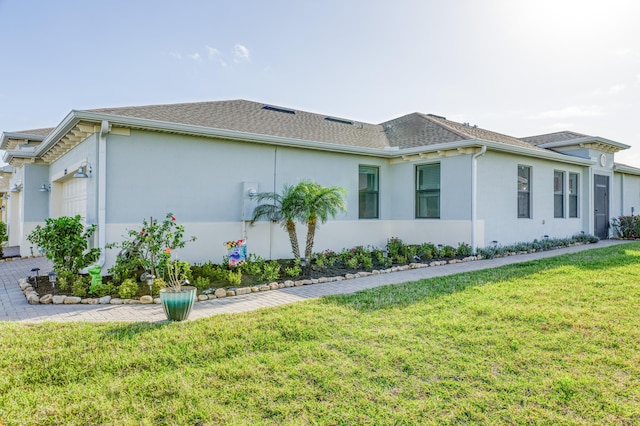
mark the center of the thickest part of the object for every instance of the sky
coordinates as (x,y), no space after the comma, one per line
(516,67)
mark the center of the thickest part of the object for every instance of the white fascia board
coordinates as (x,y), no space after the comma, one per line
(4,139)
(502,147)
(587,139)
(61,129)
(623,168)
(10,155)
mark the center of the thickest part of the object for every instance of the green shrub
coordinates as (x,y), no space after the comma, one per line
(66,279)
(128,288)
(627,226)
(201,283)
(448,252)
(293,271)
(158,284)
(65,242)
(253,265)
(3,237)
(270,271)
(104,289)
(427,251)
(464,250)
(234,277)
(80,285)
(352,263)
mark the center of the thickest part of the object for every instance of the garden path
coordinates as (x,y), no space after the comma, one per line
(14,307)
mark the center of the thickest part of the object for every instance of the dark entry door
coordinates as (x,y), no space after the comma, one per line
(601,206)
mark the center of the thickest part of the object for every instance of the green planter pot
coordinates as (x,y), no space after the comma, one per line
(177,304)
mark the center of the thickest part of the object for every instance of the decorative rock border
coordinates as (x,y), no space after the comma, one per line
(35,299)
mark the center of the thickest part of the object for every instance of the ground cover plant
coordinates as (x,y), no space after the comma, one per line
(554,341)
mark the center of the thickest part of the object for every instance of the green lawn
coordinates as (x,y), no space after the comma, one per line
(547,342)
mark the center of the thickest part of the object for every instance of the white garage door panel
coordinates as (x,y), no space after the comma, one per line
(74,196)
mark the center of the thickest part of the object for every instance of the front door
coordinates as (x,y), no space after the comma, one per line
(601,206)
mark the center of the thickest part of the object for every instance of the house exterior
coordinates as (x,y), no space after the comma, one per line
(419,177)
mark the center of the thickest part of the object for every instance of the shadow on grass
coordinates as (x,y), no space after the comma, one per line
(400,295)
(128,331)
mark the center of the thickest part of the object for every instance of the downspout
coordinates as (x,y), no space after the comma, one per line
(102,190)
(474,196)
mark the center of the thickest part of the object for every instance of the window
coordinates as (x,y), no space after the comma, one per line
(524,192)
(558,194)
(573,195)
(368,187)
(428,191)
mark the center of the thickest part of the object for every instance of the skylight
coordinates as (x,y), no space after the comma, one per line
(339,120)
(278,109)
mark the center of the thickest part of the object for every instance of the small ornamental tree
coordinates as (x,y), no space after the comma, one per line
(149,248)
(65,242)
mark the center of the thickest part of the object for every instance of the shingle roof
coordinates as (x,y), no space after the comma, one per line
(553,137)
(415,130)
(409,131)
(37,132)
(252,117)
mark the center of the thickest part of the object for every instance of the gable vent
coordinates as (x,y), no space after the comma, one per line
(339,120)
(278,109)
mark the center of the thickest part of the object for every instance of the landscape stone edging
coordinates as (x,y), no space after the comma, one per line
(34,299)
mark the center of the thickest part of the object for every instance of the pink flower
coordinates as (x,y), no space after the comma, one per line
(167,250)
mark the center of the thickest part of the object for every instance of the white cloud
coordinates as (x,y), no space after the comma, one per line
(195,56)
(175,55)
(241,53)
(212,52)
(571,112)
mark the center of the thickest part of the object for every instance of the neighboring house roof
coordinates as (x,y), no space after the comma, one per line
(11,140)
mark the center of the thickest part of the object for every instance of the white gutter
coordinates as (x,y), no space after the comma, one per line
(584,140)
(102,190)
(474,197)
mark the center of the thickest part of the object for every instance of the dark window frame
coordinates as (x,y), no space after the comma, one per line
(574,207)
(524,192)
(558,194)
(430,192)
(367,193)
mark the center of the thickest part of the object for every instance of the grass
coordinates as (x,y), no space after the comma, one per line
(555,341)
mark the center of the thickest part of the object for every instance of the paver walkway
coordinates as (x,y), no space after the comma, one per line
(14,307)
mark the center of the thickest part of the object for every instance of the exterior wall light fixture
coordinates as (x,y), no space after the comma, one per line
(45,187)
(84,171)
(16,188)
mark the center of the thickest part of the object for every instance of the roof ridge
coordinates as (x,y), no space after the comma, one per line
(437,120)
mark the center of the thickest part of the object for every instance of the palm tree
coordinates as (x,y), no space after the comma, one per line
(283,208)
(319,202)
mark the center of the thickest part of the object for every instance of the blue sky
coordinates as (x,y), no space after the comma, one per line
(512,66)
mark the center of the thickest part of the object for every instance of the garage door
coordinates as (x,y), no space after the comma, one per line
(74,198)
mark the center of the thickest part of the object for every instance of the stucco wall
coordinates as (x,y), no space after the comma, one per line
(497,199)
(626,195)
